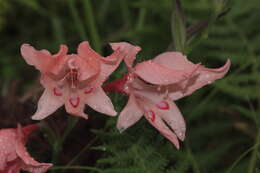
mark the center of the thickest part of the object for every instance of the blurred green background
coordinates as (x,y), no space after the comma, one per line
(223,133)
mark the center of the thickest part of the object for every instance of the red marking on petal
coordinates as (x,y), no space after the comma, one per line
(57,92)
(88,90)
(163,105)
(151,115)
(74,101)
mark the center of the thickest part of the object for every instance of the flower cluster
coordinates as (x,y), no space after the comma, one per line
(74,80)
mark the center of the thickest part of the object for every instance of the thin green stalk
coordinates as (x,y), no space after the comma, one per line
(57,29)
(78,24)
(75,168)
(125,12)
(194,164)
(141,18)
(90,21)
(83,150)
(241,157)
(253,159)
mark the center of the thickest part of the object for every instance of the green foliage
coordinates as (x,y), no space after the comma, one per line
(222,119)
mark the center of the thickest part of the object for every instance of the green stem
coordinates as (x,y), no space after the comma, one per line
(141,18)
(78,24)
(195,166)
(90,20)
(75,167)
(252,162)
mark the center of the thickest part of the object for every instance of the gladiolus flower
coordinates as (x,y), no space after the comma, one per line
(73,80)
(13,154)
(153,85)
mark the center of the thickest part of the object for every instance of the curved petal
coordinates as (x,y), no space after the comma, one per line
(89,61)
(100,102)
(7,151)
(75,105)
(173,60)
(128,50)
(47,104)
(172,116)
(201,77)
(156,121)
(85,51)
(88,67)
(29,164)
(42,60)
(130,114)
(160,75)
(107,66)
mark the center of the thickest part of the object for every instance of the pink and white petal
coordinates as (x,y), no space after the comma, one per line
(128,50)
(130,114)
(173,60)
(28,162)
(47,105)
(156,121)
(108,65)
(172,116)
(85,51)
(100,102)
(155,73)
(42,60)
(75,105)
(88,67)
(201,77)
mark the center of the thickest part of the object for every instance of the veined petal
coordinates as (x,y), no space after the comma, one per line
(173,60)
(156,121)
(47,105)
(99,101)
(130,114)
(85,51)
(43,60)
(160,75)
(201,77)
(128,50)
(88,67)
(29,164)
(74,104)
(108,66)
(172,116)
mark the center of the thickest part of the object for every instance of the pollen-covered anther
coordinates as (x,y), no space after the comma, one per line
(57,92)
(74,101)
(163,105)
(150,115)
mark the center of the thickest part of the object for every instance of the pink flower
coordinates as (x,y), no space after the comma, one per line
(153,85)
(73,80)
(13,154)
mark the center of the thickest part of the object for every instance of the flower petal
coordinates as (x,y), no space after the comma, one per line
(128,50)
(47,105)
(100,102)
(108,66)
(156,121)
(158,74)
(130,114)
(201,77)
(75,105)
(89,61)
(173,117)
(173,60)
(29,164)
(42,60)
